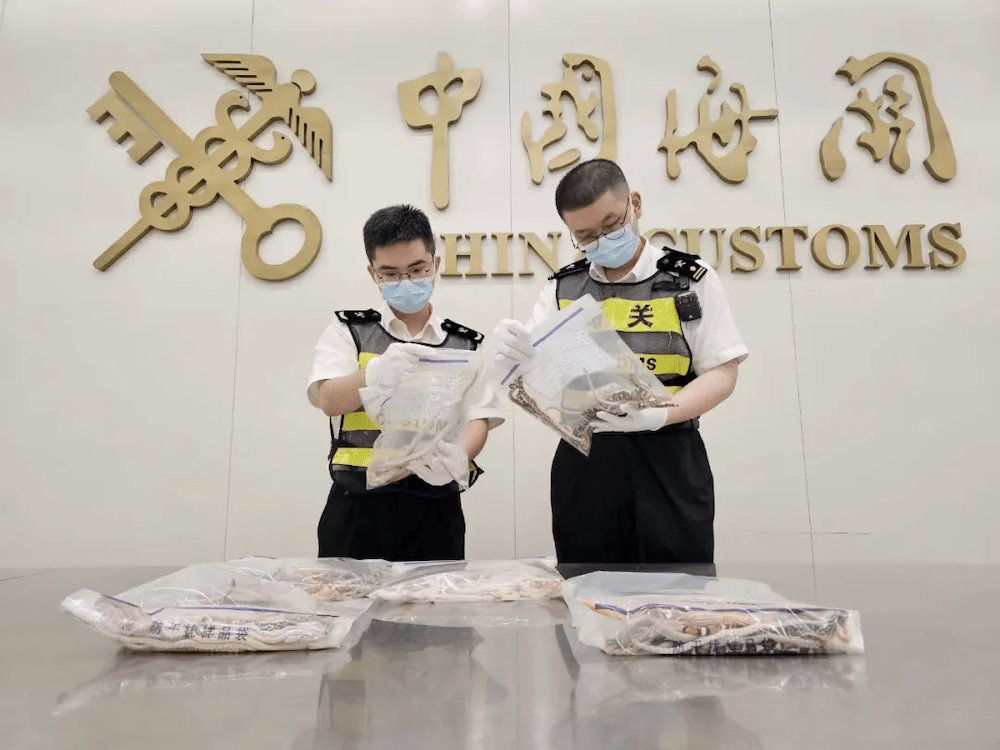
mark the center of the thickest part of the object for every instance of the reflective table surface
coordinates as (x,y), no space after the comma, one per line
(514,676)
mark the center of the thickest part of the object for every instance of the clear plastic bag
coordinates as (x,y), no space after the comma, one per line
(629,614)
(422,422)
(582,367)
(331,579)
(253,604)
(473,581)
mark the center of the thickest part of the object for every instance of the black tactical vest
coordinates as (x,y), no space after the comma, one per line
(644,313)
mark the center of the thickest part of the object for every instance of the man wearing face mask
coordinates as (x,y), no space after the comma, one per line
(409,519)
(645,493)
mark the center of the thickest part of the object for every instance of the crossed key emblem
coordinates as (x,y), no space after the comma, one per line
(214,163)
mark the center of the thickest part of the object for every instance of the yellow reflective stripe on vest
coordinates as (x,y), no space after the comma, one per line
(352,457)
(640,316)
(666,364)
(358,420)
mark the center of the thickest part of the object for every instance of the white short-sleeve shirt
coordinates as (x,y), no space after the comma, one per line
(713,338)
(337,356)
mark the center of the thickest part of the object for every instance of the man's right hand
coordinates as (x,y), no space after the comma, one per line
(386,372)
(512,344)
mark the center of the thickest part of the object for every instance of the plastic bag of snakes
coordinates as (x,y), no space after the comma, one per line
(582,367)
(473,581)
(633,614)
(252,604)
(422,422)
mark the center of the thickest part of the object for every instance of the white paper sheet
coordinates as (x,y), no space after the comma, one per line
(569,356)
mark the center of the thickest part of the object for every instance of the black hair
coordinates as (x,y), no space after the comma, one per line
(587,182)
(395,224)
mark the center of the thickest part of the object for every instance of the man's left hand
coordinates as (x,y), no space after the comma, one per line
(634,419)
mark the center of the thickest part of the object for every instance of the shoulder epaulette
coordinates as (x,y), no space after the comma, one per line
(682,264)
(459,330)
(359,316)
(574,267)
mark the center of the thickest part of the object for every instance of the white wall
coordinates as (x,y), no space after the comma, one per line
(156,413)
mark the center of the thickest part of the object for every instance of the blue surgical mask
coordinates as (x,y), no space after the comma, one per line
(408,296)
(615,253)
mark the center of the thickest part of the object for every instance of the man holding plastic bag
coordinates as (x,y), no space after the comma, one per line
(412,412)
(645,492)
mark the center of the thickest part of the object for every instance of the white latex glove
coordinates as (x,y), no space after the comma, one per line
(448,464)
(634,420)
(511,343)
(386,372)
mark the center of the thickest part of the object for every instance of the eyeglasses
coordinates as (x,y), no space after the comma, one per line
(613,232)
(414,274)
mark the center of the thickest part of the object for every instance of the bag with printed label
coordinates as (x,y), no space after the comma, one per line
(582,367)
(422,422)
(252,604)
(674,614)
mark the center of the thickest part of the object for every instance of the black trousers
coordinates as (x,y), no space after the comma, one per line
(398,526)
(638,498)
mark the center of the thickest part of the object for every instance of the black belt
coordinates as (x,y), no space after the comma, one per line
(691,424)
(353,479)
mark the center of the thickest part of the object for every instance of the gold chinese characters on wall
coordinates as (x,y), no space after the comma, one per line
(587,68)
(940,163)
(449,110)
(216,162)
(587,84)
(732,166)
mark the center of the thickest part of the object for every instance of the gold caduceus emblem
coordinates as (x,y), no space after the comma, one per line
(220,157)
